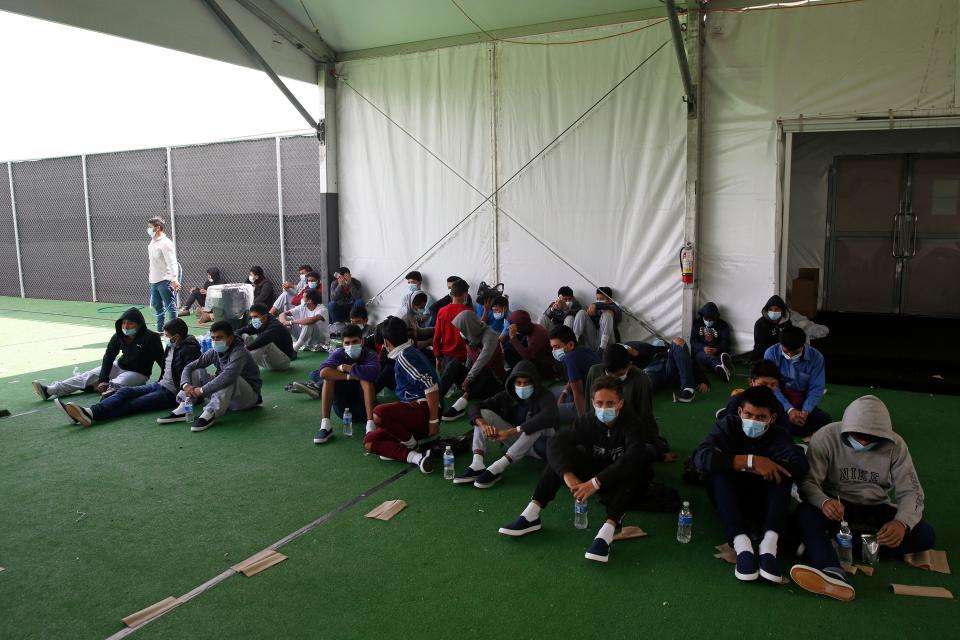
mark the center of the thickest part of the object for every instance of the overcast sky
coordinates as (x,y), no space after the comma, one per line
(68,91)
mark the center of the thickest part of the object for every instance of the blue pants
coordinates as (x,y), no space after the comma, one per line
(816,419)
(817,532)
(346,393)
(671,369)
(130,400)
(162,301)
(340,311)
(710,362)
(744,497)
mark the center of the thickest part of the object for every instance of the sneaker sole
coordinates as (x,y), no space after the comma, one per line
(171,420)
(811,580)
(59,403)
(302,388)
(682,400)
(595,557)
(516,533)
(770,577)
(727,363)
(487,485)
(451,419)
(464,480)
(319,441)
(196,429)
(38,389)
(77,414)
(747,577)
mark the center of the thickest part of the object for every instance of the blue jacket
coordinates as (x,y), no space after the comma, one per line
(499,326)
(807,375)
(727,440)
(414,375)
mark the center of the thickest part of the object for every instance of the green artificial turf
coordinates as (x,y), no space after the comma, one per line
(98,523)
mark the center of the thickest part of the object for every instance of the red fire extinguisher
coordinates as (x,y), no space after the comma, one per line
(686,263)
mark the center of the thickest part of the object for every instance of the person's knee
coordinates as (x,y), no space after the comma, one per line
(923,536)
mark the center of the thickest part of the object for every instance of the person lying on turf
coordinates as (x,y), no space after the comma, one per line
(416,414)
(235,387)
(750,463)
(182,349)
(855,465)
(669,366)
(521,418)
(267,340)
(603,453)
(482,375)
(138,347)
(347,377)
(802,381)
(576,361)
(763,373)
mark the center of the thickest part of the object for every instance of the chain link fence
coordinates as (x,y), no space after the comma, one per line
(81,221)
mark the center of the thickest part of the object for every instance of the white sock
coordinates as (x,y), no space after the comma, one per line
(207,414)
(499,466)
(325,424)
(460,404)
(179,411)
(532,512)
(371,425)
(769,543)
(411,443)
(742,543)
(478,464)
(414,458)
(606,532)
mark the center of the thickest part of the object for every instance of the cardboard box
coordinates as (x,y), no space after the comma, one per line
(803,295)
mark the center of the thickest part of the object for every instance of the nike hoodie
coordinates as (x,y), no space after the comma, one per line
(137,352)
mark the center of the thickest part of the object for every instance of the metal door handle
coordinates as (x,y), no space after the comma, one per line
(897,220)
(916,229)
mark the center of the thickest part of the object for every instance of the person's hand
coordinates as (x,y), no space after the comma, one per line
(103,386)
(203,292)
(803,416)
(592,310)
(512,331)
(489,431)
(703,387)
(174,285)
(465,385)
(796,417)
(711,351)
(571,480)
(679,342)
(505,434)
(347,278)
(287,284)
(195,392)
(833,510)
(346,368)
(633,352)
(892,533)
(770,470)
(670,456)
(562,398)
(583,491)
(558,304)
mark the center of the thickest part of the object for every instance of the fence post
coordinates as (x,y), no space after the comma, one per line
(16,228)
(173,221)
(86,208)
(283,253)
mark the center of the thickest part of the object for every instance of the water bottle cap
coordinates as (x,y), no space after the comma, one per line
(686,505)
(843,523)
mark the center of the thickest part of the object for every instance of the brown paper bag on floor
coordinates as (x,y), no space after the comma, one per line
(930,560)
(387,510)
(151,612)
(629,532)
(726,553)
(258,562)
(923,592)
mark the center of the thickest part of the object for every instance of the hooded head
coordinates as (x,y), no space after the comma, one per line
(775,301)
(131,315)
(710,311)
(470,327)
(215,276)
(525,369)
(522,319)
(869,416)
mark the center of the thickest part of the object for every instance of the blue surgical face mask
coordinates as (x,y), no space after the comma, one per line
(523,392)
(860,447)
(606,415)
(774,315)
(256,323)
(219,346)
(708,323)
(353,350)
(559,355)
(420,312)
(753,428)
(658,342)
(151,232)
(312,284)
(129,332)
(497,316)
(412,286)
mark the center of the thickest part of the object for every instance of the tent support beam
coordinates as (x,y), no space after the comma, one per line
(274,16)
(691,218)
(330,204)
(257,59)
(675,30)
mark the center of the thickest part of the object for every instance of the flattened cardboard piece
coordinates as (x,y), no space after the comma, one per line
(258,562)
(923,592)
(725,553)
(629,532)
(865,569)
(930,560)
(151,612)
(849,569)
(387,510)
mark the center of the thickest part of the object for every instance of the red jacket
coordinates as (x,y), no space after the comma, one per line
(447,342)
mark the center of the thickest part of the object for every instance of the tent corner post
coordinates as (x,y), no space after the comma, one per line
(691,66)
(330,204)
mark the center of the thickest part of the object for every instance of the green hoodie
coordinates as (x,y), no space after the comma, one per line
(863,477)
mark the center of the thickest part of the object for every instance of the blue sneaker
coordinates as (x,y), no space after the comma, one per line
(467,476)
(520,527)
(746,567)
(487,479)
(770,568)
(598,551)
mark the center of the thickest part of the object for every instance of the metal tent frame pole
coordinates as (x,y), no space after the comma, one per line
(16,228)
(86,209)
(283,252)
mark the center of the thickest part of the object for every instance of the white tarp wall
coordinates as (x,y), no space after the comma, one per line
(602,206)
(866,57)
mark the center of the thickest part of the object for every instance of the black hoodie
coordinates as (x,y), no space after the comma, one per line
(139,351)
(532,415)
(766,333)
(717,336)
(271,331)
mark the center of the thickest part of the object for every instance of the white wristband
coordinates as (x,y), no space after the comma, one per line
(596,485)
(750,461)
(435,421)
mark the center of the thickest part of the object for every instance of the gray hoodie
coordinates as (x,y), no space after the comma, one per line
(863,477)
(477,335)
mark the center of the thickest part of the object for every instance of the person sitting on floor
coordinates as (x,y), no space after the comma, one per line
(360,317)
(521,418)
(138,347)
(562,311)
(421,335)
(710,341)
(528,341)
(603,453)
(346,293)
(162,394)
(576,361)
(802,381)
(414,288)
(347,378)
(235,386)
(605,315)
(494,314)
(774,318)
(291,291)
(482,374)
(637,397)
(669,366)
(751,463)
(307,323)
(416,414)
(267,340)
(448,346)
(262,287)
(762,374)
(198,295)
(855,466)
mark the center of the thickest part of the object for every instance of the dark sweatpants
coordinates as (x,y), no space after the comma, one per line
(482,387)
(745,497)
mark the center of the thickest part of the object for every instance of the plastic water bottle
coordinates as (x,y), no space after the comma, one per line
(845,543)
(188,411)
(685,524)
(347,422)
(448,470)
(580,514)
(76,371)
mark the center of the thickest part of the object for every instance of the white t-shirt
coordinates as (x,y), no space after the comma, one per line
(301,312)
(163,259)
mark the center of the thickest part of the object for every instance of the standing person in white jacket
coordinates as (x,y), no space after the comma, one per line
(163,272)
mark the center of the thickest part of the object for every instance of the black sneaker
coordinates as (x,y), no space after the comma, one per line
(722,372)
(520,527)
(770,568)
(79,415)
(450,414)
(468,475)
(426,463)
(487,479)
(309,388)
(598,551)
(685,395)
(747,569)
(322,436)
(727,363)
(63,407)
(171,418)
(202,424)
(40,390)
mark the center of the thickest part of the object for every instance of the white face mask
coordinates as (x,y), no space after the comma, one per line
(252,279)
(151,232)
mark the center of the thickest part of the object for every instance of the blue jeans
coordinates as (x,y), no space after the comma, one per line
(671,369)
(129,400)
(162,301)
(567,412)
(742,497)
(710,362)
